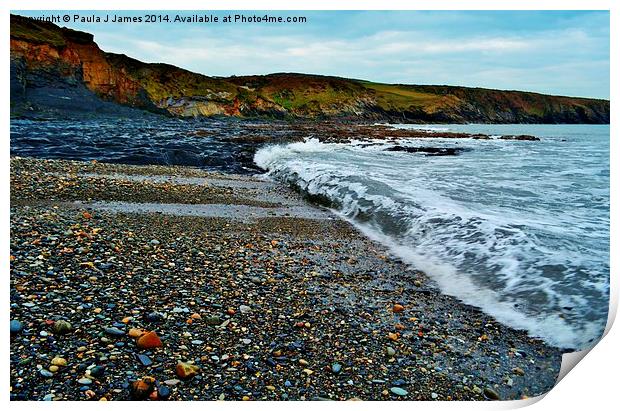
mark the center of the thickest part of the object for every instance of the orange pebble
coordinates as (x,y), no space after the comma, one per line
(398,308)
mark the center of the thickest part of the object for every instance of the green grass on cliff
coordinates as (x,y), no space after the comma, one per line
(301,92)
(162,80)
(36,32)
(398,97)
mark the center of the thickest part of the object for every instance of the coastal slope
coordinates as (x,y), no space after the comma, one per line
(59,70)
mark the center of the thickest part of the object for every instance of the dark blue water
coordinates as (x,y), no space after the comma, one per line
(226,146)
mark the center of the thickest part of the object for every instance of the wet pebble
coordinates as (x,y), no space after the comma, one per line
(163,392)
(97,371)
(399,391)
(62,327)
(114,331)
(490,393)
(145,360)
(45,373)
(16,327)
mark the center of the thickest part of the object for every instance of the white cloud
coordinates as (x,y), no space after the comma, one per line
(509,62)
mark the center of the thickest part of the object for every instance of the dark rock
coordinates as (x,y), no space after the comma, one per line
(430,151)
(16,327)
(97,371)
(154,317)
(114,332)
(144,360)
(522,137)
(163,392)
(490,393)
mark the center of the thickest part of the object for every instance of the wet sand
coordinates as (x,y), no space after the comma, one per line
(271,297)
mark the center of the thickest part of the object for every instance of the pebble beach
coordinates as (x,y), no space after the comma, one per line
(174,283)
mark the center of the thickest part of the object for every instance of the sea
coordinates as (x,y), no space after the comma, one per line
(519,229)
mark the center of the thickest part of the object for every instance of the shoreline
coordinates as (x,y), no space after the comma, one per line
(273,298)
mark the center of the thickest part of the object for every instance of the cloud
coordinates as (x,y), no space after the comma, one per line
(560,60)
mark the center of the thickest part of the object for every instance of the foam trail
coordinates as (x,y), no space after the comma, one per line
(490,238)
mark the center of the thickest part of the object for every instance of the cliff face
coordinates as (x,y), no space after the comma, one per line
(58,69)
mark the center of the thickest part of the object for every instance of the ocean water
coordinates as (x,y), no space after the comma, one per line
(211,144)
(519,229)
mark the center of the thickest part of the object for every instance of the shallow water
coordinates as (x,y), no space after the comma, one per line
(517,228)
(214,145)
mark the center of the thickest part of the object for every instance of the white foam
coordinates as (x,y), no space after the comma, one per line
(456,284)
(486,256)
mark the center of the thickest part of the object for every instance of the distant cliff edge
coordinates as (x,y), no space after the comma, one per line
(58,70)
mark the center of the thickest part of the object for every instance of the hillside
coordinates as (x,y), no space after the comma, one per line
(57,70)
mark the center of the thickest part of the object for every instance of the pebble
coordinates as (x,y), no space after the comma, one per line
(399,391)
(85,381)
(172,382)
(16,327)
(145,360)
(336,368)
(62,327)
(135,333)
(45,373)
(53,368)
(154,317)
(397,308)
(390,351)
(114,331)
(97,371)
(163,392)
(244,309)
(185,370)
(59,361)
(142,388)
(149,340)
(213,320)
(490,393)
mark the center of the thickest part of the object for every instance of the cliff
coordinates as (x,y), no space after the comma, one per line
(56,69)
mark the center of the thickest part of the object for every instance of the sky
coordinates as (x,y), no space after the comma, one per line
(551,52)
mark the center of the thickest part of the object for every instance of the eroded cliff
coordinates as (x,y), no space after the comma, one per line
(58,69)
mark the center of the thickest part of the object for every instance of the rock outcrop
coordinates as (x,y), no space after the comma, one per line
(59,70)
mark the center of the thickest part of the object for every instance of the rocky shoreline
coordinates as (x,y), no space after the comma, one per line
(138,282)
